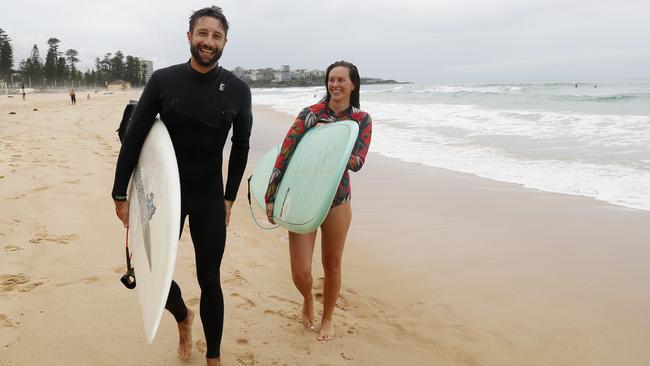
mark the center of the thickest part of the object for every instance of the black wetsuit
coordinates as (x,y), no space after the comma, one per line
(198,111)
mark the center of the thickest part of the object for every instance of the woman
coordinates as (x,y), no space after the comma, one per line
(341,103)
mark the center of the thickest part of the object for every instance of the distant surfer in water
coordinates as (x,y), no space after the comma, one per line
(198,101)
(341,103)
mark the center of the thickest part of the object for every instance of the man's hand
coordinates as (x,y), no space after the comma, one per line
(269,213)
(228,205)
(122,211)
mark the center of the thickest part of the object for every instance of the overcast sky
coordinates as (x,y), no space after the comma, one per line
(447,41)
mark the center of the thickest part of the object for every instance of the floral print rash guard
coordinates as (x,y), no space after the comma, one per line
(308,118)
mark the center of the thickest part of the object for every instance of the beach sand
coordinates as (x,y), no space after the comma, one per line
(440,268)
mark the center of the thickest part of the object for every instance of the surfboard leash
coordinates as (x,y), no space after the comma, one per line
(250,206)
(128,279)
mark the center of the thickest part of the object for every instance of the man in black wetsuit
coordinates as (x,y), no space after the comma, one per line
(199,102)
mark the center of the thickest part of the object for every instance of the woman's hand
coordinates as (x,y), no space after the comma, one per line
(269,213)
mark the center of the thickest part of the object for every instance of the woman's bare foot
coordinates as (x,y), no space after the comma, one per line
(326,331)
(308,313)
(185,337)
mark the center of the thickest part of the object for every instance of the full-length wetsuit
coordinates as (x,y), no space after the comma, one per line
(198,111)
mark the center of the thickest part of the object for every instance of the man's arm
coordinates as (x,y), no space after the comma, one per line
(241,132)
(142,120)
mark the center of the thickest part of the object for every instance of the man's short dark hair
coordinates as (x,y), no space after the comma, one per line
(211,11)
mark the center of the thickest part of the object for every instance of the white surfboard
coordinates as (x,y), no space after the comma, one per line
(154,224)
(309,184)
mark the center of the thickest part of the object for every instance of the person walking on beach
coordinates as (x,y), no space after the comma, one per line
(199,102)
(73,97)
(342,83)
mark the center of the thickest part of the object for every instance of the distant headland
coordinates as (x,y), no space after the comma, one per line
(285,77)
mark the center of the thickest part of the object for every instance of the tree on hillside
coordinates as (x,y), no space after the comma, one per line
(6,56)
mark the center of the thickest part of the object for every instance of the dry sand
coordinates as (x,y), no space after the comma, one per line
(440,268)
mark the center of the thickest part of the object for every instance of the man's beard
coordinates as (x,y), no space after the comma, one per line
(194,49)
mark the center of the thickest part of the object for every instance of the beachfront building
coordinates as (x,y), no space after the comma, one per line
(317,73)
(119,85)
(147,69)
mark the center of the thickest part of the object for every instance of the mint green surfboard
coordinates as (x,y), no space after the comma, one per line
(314,172)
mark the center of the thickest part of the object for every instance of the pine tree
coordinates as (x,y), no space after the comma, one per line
(6,56)
(36,73)
(105,69)
(117,66)
(62,72)
(51,60)
(71,57)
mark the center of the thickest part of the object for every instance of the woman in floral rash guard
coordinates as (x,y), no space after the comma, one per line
(341,103)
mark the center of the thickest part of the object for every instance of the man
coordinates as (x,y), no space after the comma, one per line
(198,101)
(73,97)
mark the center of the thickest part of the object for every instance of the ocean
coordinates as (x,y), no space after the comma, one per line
(588,139)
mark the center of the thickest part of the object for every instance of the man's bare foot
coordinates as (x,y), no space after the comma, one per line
(308,313)
(214,361)
(326,331)
(185,337)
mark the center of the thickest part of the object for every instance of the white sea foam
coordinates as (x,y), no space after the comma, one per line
(573,146)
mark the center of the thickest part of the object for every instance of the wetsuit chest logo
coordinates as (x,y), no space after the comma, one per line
(222,87)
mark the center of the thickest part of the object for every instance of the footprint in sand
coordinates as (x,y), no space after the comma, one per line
(289,301)
(72,181)
(12,248)
(282,314)
(38,189)
(342,302)
(20,282)
(90,280)
(237,278)
(20,196)
(201,346)
(6,322)
(30,286)
(59,239)
(247,359)
(242,342)
(319,297)
(9,282)
(193,301)
(244,302)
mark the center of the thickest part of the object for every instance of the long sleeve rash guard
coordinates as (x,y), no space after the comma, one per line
(309,118)
(198,111)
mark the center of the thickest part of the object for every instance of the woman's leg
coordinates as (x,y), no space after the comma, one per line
(333,231)
(301,251)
